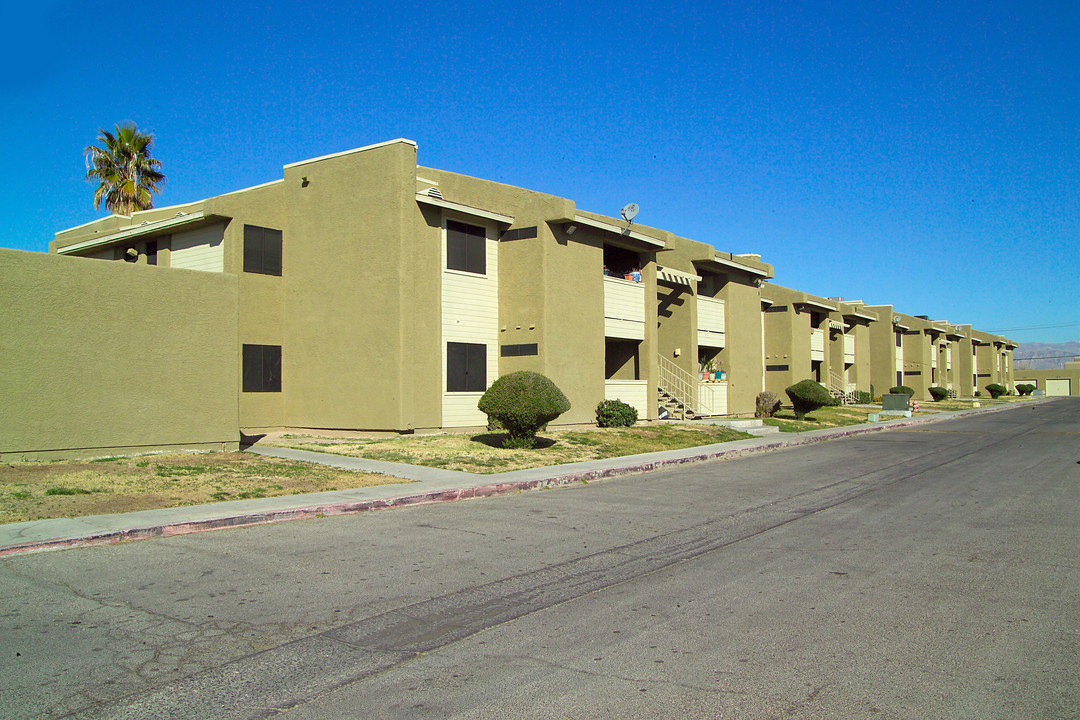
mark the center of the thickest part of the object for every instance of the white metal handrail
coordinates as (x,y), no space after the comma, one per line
(683,387)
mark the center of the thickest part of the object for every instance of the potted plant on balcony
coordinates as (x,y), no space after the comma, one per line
(707,369)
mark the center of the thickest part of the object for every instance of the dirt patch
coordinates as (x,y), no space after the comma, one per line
(483,453)
(38,490)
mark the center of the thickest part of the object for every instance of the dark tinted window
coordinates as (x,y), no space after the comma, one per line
(151,252)
(262,368)
(466,367)
(262,250)
(466,247)
(519,350)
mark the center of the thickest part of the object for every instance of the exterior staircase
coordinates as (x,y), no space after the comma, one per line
(677,392)
(844,392)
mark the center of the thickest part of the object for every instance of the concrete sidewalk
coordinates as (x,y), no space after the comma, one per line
(428,485)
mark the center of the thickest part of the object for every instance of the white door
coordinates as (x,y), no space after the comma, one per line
(1057,387)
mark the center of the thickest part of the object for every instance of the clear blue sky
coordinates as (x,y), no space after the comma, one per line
(925,155)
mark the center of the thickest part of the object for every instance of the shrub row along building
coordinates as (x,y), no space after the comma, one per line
(361,291)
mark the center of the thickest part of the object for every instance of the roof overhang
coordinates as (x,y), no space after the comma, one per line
(808,302)
(837,325)
(183,221)
(861,315)
(900,326)
(650,242)
(464,209)
(721,265)
(766,301)
(675,277)
(1009,344)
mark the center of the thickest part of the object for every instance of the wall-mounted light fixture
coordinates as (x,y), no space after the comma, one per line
(304,182)
(570,228)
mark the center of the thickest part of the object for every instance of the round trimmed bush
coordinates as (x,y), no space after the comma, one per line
(996,390)
(902,390)
(523,402)
(767,404)
(807,396)
(939,393)
(615,413)
(1025,389)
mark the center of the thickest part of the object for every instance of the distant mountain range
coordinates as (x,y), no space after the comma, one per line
(1045,356)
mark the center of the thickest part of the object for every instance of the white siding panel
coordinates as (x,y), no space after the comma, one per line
(634,393)
(712,397)
(817,344)
(470,314)
(849,349)
(710,321)
(628,329)
(200,249)
(624,309)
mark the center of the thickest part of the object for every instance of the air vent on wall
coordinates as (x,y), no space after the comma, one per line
(434,193)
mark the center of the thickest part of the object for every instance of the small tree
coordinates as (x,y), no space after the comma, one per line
(523,402)
(807,396)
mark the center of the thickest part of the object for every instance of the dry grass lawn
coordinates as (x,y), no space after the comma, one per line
(483,453)
(38,490)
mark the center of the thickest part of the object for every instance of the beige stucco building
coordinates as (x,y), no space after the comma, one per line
(372,293)
(363,291)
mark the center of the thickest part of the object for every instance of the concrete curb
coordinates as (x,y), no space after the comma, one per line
(60,533)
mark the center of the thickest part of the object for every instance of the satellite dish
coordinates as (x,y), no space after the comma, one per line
(896,318)
(629,212)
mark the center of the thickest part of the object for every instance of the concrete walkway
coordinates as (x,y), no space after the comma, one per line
(428,485)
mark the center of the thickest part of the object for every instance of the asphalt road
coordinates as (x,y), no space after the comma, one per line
(922,573)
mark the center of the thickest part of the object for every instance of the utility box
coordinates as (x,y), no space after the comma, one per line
(896,401)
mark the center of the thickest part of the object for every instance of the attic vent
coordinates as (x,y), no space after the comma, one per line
(434,193)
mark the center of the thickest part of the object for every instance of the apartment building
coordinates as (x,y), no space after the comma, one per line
(373,293)
(363,291)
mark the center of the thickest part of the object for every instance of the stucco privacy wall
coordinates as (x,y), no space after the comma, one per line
(98,357)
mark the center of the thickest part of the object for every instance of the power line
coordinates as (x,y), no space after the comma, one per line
(1035,327)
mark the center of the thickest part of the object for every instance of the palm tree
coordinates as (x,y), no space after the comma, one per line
(126,173)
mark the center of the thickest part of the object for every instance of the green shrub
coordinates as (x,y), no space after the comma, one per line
(902,390)
(978,393)
(807,396)
(863,398)
(523,402)
(767,404)
(939,393)
(996,390)
(615,413)
(1025,389)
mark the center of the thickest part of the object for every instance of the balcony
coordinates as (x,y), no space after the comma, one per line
(710,322)
(624,309)
(817,344)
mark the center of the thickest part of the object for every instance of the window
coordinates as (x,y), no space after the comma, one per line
(466,367)
(466,247)
(151,252)
(262,250)
(519,350)
(262,368)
